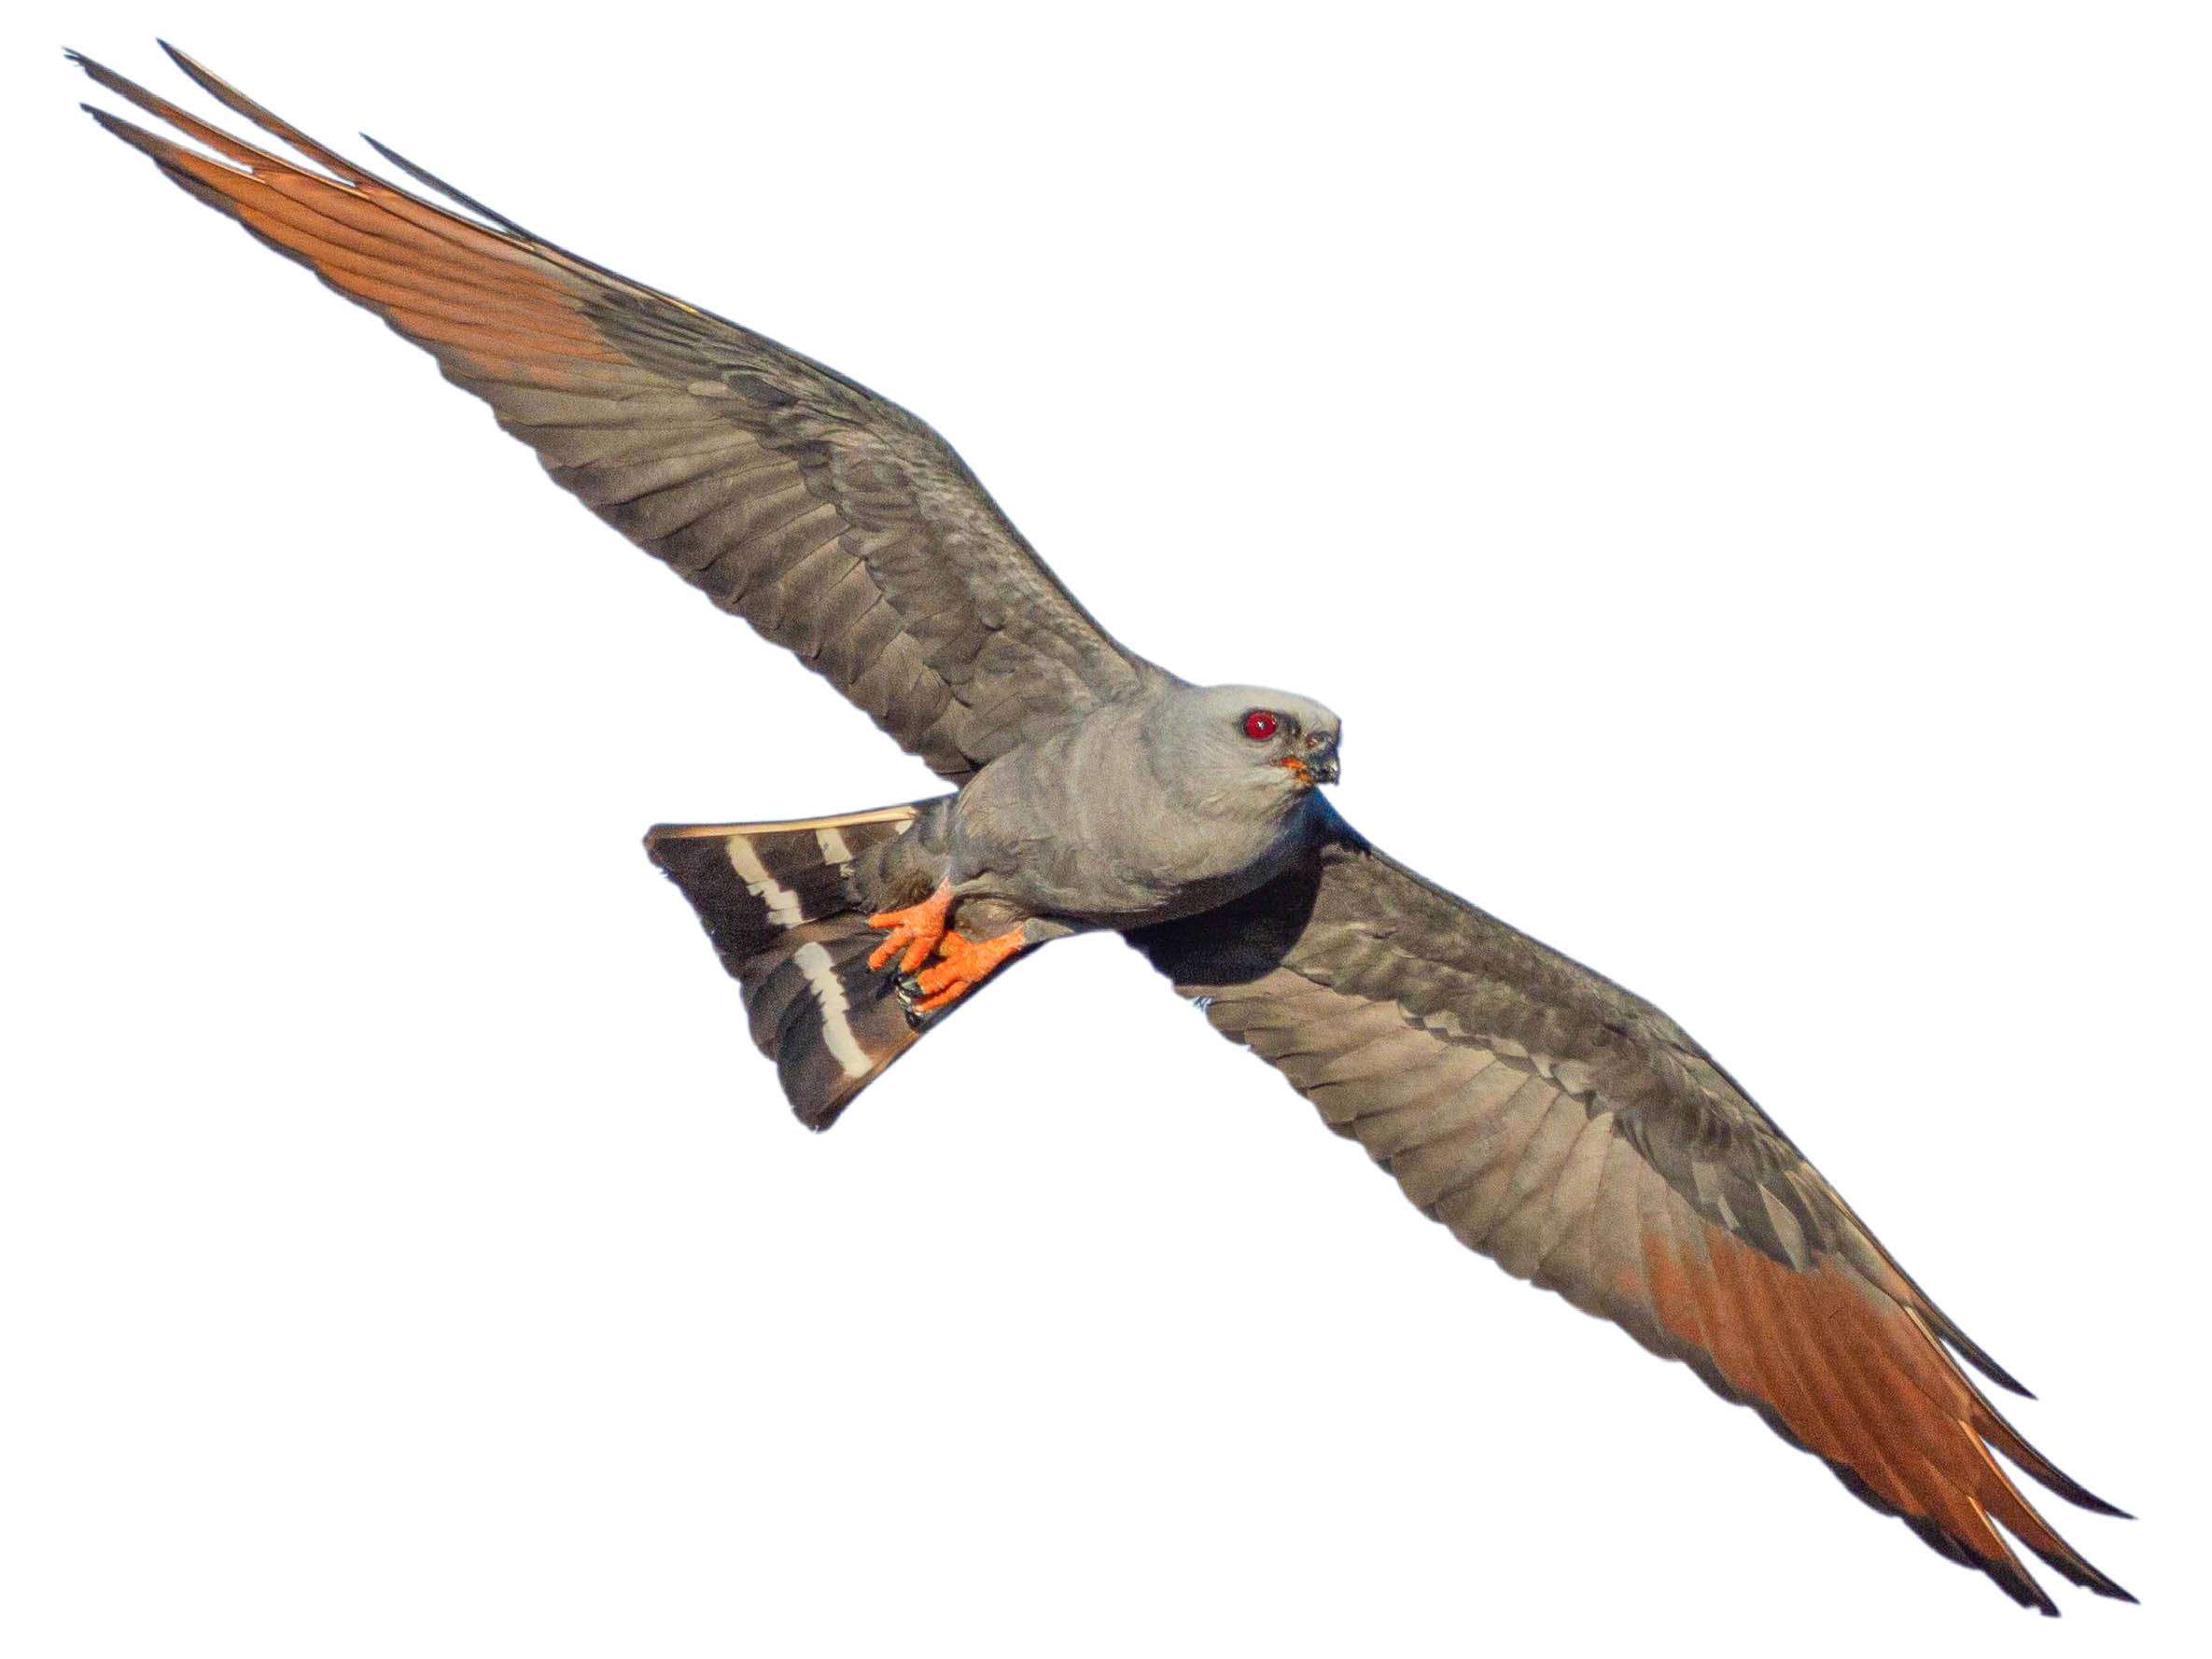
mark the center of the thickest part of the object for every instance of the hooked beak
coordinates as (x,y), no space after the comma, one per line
(1320,766)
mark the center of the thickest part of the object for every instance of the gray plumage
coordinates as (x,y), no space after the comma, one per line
(1550,1118)
(1154,806)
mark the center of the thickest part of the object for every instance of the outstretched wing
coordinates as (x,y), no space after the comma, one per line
(831,520)
(1574,1133)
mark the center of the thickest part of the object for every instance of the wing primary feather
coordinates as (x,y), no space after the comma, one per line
(423,176)
(1966,1348)
(214,138)
(1945,1326)
(1927,1437)
(268,120)
(1993,1426)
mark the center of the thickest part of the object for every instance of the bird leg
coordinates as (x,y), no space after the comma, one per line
(917,930)
(962,965)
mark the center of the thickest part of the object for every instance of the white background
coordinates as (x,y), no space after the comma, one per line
(1739,470)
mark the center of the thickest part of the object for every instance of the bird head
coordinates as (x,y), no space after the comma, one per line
(1239,742)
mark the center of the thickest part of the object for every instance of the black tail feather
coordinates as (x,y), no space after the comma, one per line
(786,907)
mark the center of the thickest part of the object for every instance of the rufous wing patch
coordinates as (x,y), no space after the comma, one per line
(483,302)
(1855,1377)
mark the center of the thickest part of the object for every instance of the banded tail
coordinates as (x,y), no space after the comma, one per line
(787,906)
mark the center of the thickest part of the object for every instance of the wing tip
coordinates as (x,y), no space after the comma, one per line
(2081,1497)
(1978,1357)
(423,175)
(131,132)
(94,69)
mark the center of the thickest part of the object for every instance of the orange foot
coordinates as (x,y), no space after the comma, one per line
(917,929)
(963,964)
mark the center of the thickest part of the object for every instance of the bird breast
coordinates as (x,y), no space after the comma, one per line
(1080,824)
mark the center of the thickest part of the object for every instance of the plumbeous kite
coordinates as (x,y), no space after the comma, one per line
(1550,1118)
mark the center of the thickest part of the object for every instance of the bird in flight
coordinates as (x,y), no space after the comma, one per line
(1550,1118)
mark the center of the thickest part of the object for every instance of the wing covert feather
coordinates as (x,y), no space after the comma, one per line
(1574,1133)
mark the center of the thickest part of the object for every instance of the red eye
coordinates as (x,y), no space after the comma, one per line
(1259,725)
